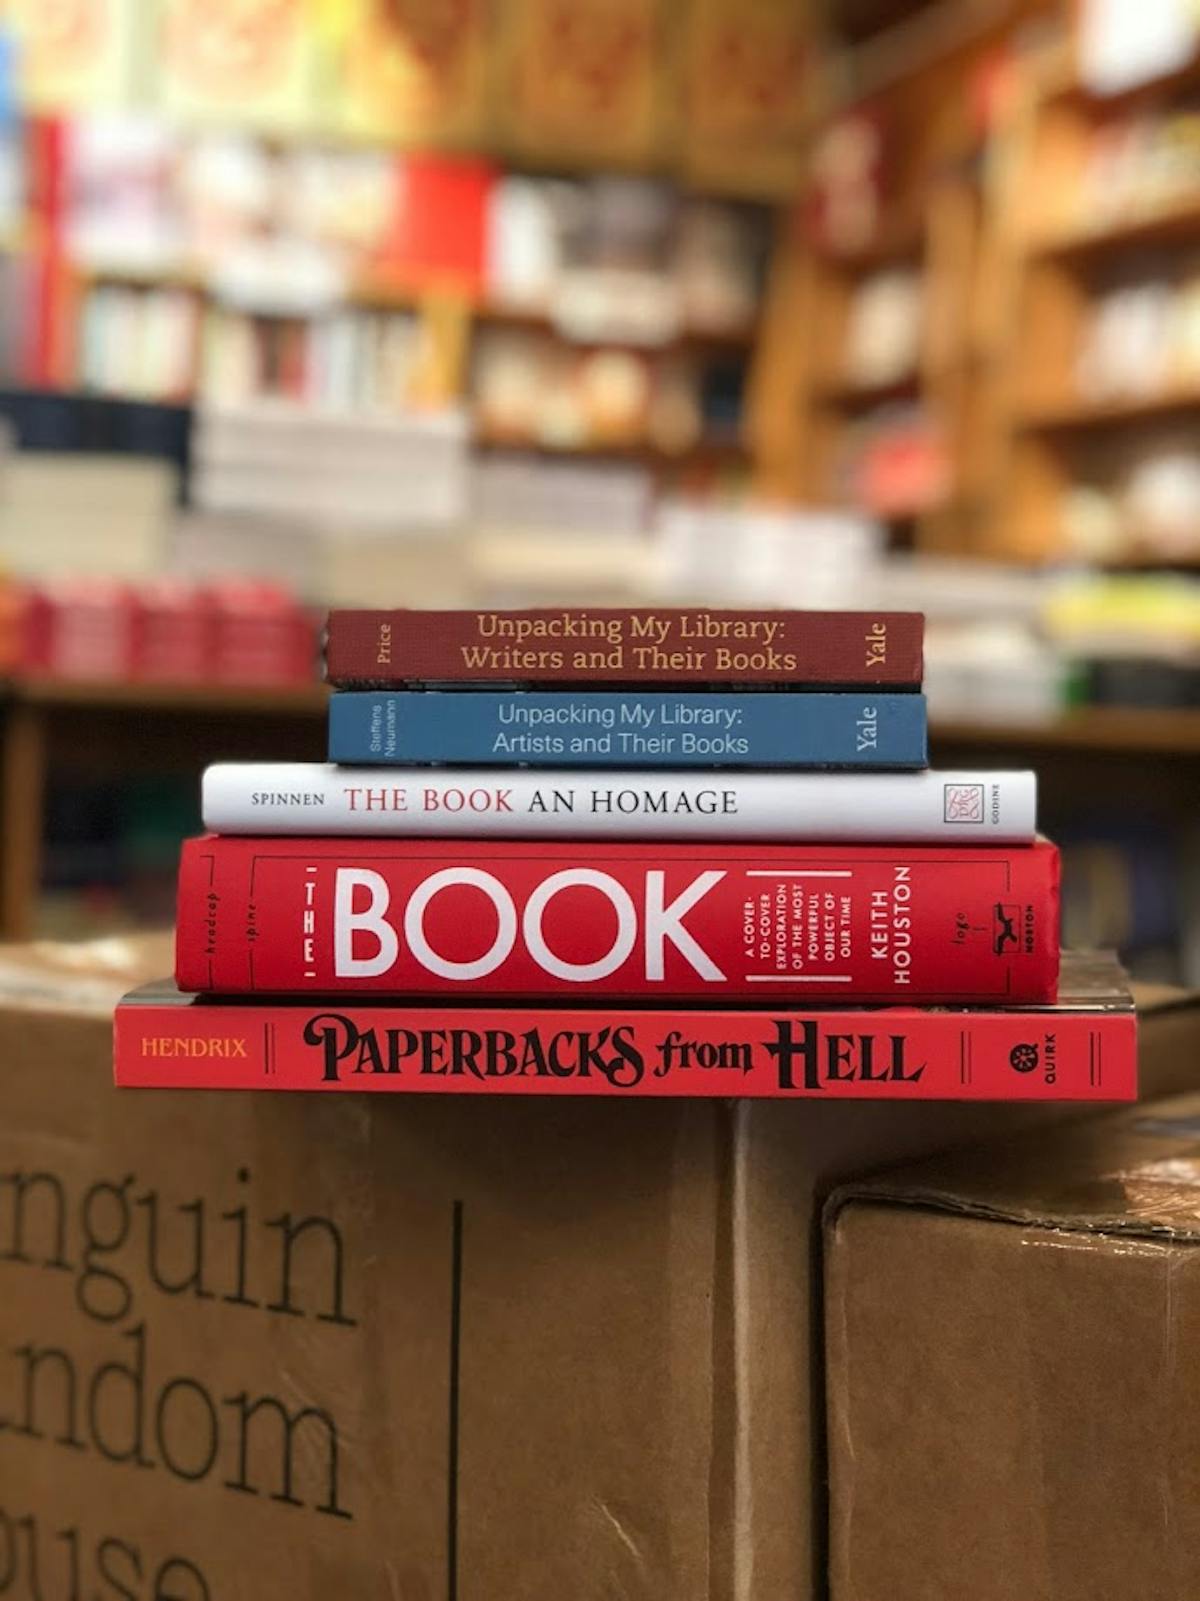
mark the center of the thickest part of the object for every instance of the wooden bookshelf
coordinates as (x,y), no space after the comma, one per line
(1177,224)
(837,396)
(715,451)
(51,726)
(383,294)
(899,238)
(1081,415)
(941,215)
(1066,87)
(851,396)
(452,314)
(1102,772)
(1012,255)
(216,700)
(1126,731)
(1074,244)
(687,341)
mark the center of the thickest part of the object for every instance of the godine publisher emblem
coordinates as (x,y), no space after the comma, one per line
(963,803)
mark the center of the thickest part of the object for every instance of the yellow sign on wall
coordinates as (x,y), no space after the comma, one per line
(249,62)
(75,54)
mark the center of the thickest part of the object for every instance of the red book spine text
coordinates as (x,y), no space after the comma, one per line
(603,645)
(536,919)
(894,1053)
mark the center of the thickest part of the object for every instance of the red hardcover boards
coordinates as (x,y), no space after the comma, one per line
(1083,1049)
(542,919)
(618,645)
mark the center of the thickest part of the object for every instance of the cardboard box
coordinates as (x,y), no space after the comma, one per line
(313,1346)
(1012,1367)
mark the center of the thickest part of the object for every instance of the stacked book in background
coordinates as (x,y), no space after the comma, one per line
(238,632)
(720,868)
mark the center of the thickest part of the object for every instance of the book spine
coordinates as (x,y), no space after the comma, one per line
(312,798)
(893,1054)
(603,645)
(571,728)
(286,917)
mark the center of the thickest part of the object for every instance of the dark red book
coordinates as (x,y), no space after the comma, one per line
(593,644)
(1082,1049)
(541,919)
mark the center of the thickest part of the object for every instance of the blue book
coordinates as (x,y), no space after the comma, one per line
(614,728)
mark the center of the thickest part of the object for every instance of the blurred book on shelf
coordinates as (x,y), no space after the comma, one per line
(138,342)
(894,462)
(515,491)
(230,631)
(530,390)
(330,563)
(541,568)
(883,328)
(100,425)
(343,507)
(121,201)
(86,514)
(999,672)
(624,260)
(416,334)
(371,470)
(1126,616)
(1137,503)
(1136,165)
(785,556)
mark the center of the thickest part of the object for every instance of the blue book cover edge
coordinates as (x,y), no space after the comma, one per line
(554,728)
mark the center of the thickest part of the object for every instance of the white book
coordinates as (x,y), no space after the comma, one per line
(319,798)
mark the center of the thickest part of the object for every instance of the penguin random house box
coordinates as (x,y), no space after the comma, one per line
(304,1346)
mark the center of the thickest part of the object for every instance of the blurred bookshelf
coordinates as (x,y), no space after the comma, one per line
(1121,730)
(896,306)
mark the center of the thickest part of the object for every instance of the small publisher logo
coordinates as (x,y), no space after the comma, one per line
(963,803)
(1023,1058)
(1004,935)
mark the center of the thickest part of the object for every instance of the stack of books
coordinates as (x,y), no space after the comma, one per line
(379,471)
(240,632)
(721,868)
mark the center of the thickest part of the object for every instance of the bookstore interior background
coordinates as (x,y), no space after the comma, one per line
(352,302)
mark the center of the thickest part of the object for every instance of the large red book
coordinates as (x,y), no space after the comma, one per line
(1085,1048)
(593,644)
(541,919)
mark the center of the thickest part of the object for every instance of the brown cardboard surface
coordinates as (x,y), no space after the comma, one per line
(565,1349)
(789,1158)
(553,1383)
(1013,1369)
